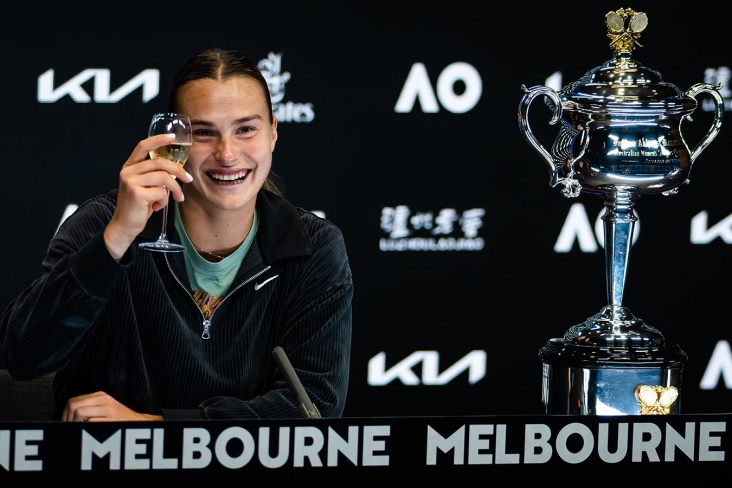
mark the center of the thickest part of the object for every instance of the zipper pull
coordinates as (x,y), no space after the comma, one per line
(206,326)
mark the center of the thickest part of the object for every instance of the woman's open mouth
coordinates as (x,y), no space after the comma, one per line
(229,179)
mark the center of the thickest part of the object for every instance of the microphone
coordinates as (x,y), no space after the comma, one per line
(308,409)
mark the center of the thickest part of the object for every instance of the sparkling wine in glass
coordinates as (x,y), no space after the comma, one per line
(177,151)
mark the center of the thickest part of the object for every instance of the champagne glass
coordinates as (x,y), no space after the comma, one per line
(177,151)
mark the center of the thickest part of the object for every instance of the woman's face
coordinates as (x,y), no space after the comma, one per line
(233,142)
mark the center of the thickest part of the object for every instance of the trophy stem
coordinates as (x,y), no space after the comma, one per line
(619,220)
(615,326)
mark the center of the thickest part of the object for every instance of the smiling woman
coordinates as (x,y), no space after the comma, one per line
(136,335)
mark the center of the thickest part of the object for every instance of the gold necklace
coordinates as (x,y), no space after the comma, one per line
(201,251)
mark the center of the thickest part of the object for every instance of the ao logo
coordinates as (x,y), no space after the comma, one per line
(418,86)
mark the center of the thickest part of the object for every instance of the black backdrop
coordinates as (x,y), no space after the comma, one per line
(347,150)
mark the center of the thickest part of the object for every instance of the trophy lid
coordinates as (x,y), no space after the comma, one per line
(622,85)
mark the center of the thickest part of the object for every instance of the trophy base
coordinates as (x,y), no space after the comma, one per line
(590,380)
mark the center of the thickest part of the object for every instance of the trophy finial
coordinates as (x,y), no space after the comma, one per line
(624,27)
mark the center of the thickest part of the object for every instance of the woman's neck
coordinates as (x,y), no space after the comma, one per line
(216,234)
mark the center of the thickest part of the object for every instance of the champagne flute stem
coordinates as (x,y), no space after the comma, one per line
(164,230)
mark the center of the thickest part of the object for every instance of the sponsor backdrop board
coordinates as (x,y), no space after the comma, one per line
(399,124)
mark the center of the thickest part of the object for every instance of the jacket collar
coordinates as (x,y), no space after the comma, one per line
(281,233)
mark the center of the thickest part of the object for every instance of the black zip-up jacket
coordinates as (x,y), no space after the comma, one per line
(133,330)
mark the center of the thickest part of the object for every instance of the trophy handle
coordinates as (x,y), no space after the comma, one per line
(718,112)
(523,120)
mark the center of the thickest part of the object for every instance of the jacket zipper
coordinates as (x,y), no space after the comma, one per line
(206,334)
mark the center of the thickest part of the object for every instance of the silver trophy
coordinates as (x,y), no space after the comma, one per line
(619,137)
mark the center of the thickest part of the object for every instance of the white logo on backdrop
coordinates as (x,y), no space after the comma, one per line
(446,230)
(148,80)
(714,76)
(718,368)
(419,87)
(271,68)
(474,363)
(702,233)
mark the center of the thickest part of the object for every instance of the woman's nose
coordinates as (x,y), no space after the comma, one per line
(225,150)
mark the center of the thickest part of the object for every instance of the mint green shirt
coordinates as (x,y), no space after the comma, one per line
(213,278)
